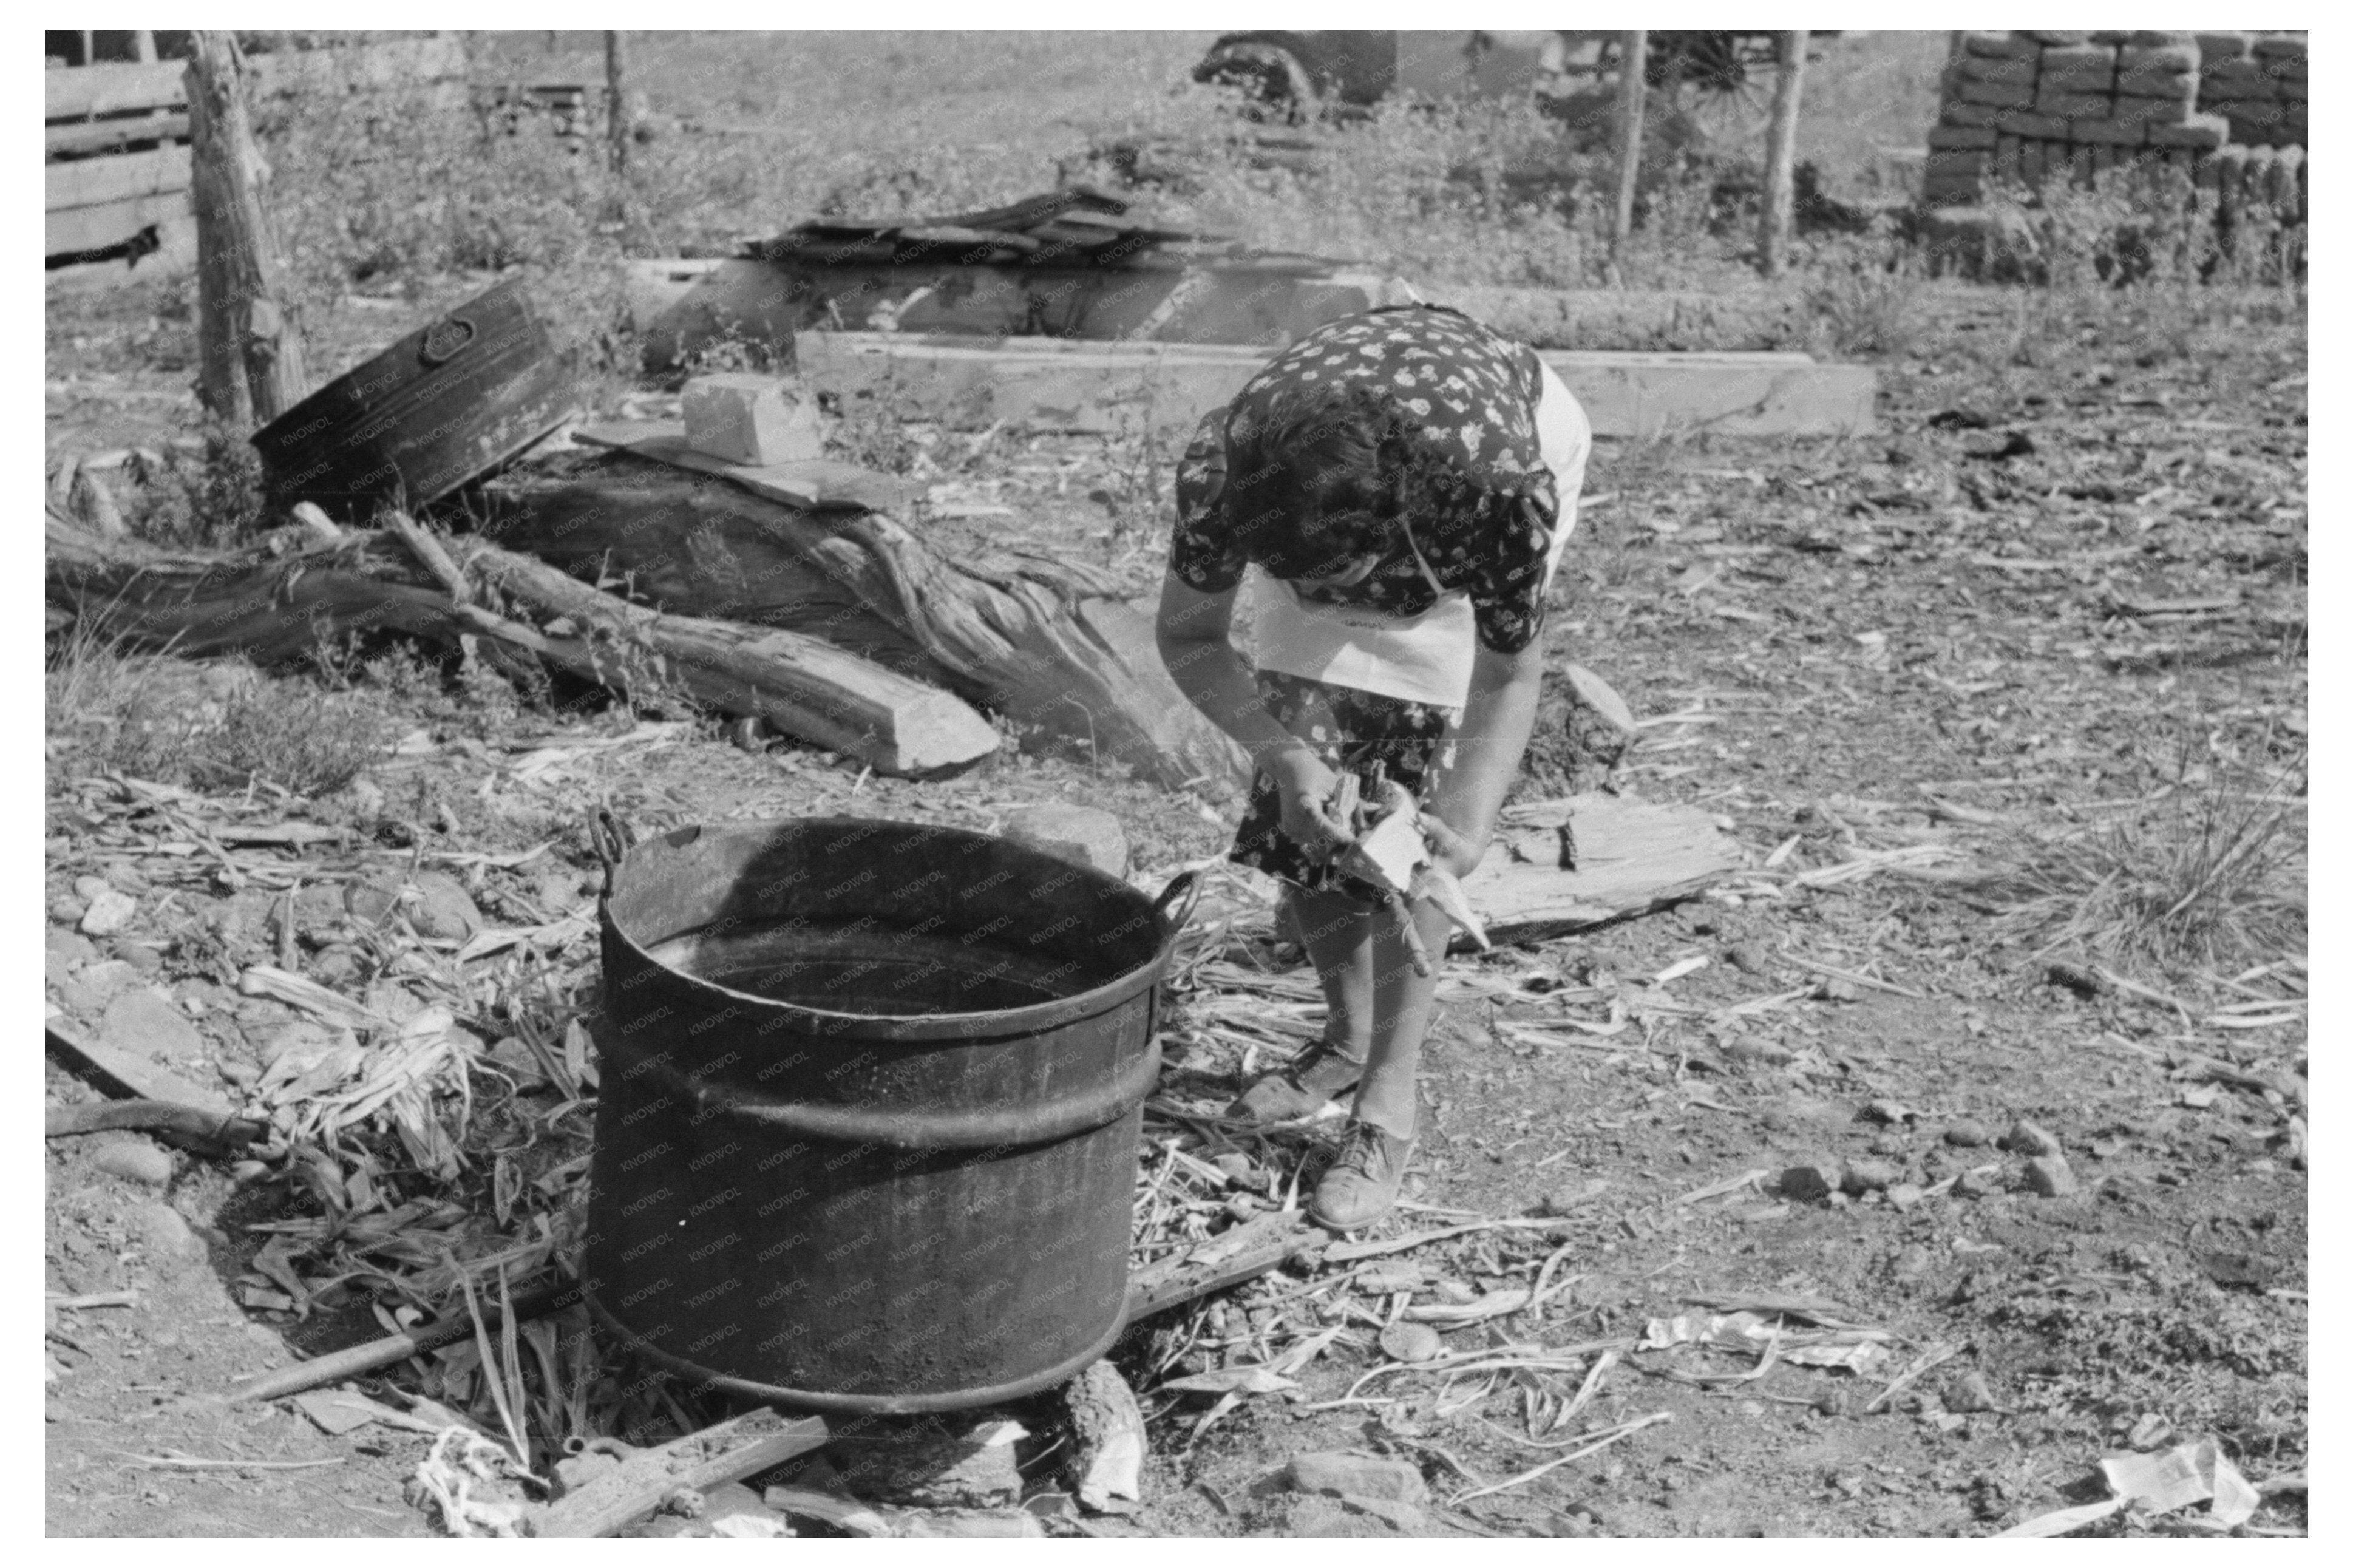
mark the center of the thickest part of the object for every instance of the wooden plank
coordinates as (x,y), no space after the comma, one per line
(85,91)
(103,136)
(1064,383)
(126,1075)
(818,485)
(96,228)
(127,176)
(731,1451)
(1632,856)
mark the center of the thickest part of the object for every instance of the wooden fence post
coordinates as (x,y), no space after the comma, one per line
(1631,56)
(1781,156)
(251,362)
(616,116)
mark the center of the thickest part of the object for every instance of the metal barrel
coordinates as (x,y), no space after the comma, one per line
(825,1174)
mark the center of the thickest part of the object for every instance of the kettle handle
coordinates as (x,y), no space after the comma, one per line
(1184,890)
(611,838)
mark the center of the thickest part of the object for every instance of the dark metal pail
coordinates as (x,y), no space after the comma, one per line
(447,404)
(870,1099)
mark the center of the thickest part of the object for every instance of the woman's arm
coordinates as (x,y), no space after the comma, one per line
(1192,634)
(1490,737)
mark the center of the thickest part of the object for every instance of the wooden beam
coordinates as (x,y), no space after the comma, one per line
(95,182)
(104,135)
(252,366)
(732,1451)
(1781,156)
(1632,55)
(1631,857)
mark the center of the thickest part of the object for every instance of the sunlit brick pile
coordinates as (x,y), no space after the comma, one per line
(2027,108)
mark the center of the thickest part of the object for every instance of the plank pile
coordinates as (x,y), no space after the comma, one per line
(2029,108)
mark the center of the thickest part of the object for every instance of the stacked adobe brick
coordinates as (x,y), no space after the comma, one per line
(2030,106)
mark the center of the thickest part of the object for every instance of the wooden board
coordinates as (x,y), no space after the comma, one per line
(126,1075)
(103,136)
(821,484)
(81,92)
(96,228)
(1632,856)
(1166,387)
(127,176)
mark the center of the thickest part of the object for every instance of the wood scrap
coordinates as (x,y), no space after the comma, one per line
(1048,641)
(1633,856)
(731,1451)
(186,1125)
(274,609)
(126,1075)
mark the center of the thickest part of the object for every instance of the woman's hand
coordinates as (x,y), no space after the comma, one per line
(1303,785)
(1449,849)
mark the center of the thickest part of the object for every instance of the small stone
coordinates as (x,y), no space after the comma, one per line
(1357,1476)
(109,913)
(245,1075)
(164,1234)
(1081,834)
(1905,1196)
(1891,1112)
(90,890)
(1747,957)
(1969,1395)
(372,901)
(445,912)
(67,911)
(64,951)
(1970,1185)
(1565,1201)
(935,1470)
(135,1160)
(1388,1277)
(1237,1167)
(2050,1176)
(1453,1292)
(1410,1342)
(1968,1133)
(144,957)
(336,968)
(2027,1137)
(1811,1182)
(1869,1176)
(302,1034)
(731,1497)
(142,1022)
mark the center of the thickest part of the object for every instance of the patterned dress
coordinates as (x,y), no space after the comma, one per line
(1480,502)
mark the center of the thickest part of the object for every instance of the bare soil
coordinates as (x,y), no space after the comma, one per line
(1960,603)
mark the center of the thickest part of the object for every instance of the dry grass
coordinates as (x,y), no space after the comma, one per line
(2210,877)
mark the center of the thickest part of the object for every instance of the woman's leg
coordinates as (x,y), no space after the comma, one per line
(1338,931)
(1402,1004)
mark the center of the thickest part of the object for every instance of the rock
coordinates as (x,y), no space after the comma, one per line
(1869,1176)
(109,913)
(64,951)
(731,1497)
(245,1075)
(164,1233)
(1565,1201)
(1812,1182)
(2026,1138)
(1453,1292)
(1357,1476)
(1969,1185)
(755,420)
(337,968)
(754,1525)
(1968,1133)
(445,912)
(935,1469)
(965,1524)
(1237,1167)
(1904,1195)
(1968,1394)
(318,916)
(1893,1113)
(67,911)
(144,957)
(1107,1437)
(1403,1340)
(2050,1176)
(142,1022)
(1079,834)
(135,1160)
(372,899)
(90,890)
(1747,957)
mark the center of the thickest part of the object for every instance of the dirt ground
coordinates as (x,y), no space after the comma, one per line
(2062,593)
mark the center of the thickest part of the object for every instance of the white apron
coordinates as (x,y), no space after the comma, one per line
(1426,658)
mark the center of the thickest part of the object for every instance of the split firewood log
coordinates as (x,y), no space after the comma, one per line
(1047,641)
(274,608)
